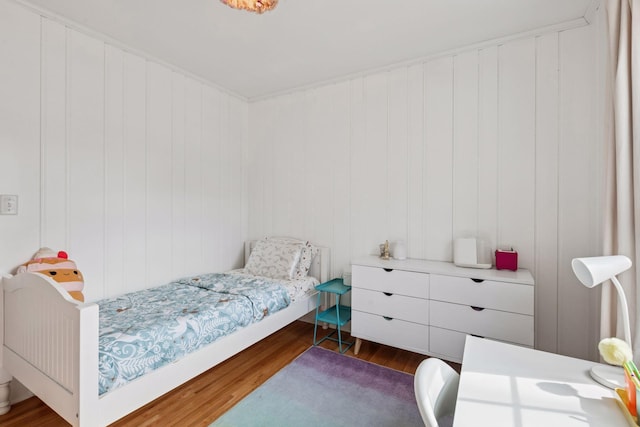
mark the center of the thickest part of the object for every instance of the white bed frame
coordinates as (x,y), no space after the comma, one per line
(51,346)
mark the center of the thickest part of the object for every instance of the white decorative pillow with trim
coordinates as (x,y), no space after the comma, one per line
(307,255)
(274,259)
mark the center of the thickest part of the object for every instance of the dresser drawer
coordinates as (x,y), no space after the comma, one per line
(391,305)
(500,325)
(446,343)
(393,281)
(394,332)
(503,296)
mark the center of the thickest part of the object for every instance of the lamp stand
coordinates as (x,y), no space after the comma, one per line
(592,271)
(609,376)
(624,309)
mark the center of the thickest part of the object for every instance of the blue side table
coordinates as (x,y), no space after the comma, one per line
(337,314)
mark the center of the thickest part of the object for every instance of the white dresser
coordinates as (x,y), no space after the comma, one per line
(429,306)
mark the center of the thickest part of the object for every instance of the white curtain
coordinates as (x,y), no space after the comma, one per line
(622,135)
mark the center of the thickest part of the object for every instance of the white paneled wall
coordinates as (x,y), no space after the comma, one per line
(19,131)
(497,142)
(579,179)
(19,136)
(135,169)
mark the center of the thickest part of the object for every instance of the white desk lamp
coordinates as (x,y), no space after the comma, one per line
(591,272)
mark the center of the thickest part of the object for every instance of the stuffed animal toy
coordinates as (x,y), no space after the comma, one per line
(60,268)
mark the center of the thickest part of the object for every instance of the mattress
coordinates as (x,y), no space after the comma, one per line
(145,330)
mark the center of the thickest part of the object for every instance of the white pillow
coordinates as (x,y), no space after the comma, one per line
(274,259)
(307,255)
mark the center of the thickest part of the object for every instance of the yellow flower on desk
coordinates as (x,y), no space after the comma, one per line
(615,351)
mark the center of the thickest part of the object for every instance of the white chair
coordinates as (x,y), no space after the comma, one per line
(436,389)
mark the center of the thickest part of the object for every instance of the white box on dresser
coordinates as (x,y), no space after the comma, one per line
(430,306)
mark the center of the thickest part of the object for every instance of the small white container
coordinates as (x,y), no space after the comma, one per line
(346,278)
(399,250)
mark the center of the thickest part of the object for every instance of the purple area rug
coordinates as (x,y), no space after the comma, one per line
(325,388)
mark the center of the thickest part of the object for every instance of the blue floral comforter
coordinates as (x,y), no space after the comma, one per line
(144,330)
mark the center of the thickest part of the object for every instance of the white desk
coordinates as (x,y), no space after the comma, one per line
(507,385)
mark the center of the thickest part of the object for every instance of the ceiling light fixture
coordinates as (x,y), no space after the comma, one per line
(258,6)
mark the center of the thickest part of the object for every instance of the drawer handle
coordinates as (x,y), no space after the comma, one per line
(478,280)
(388,270)
(387,293)
(477,308)
(387,318)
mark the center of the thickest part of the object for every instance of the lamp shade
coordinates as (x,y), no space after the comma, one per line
(594,270)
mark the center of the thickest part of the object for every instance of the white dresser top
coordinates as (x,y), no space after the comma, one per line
(520,276)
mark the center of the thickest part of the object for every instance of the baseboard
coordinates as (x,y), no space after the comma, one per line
(18,392)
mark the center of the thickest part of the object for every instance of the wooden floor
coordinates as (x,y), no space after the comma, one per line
(206,397)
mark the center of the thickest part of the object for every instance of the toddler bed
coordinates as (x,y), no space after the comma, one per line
(93,363)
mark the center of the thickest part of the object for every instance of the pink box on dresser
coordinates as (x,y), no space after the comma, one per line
(506,260)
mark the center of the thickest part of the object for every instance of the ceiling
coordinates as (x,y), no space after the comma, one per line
(304,41)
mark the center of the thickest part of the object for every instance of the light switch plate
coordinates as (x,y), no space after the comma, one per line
(8,204)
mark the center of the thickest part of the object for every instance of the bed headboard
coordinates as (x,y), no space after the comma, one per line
(320,266)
